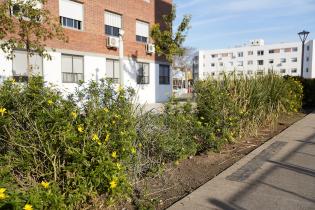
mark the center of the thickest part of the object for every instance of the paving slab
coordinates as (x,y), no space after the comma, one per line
(278,175)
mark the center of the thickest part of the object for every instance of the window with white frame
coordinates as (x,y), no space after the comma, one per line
(283,60)
(294,49)
(260,62)
(271,61)
(282,71)
(212,64)
(72,68)
(112,70)
(113,23)
(294,70)
(250,62)
(164,74)
(250,52)
(240,54)
(71,14)
(294,60)
(260,52)
(143,76)
(142,31)
(20,68)
(240,63)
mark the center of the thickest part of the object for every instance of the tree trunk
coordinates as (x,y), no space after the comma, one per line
(28,63)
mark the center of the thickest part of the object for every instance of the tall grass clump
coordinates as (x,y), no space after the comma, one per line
(237,106)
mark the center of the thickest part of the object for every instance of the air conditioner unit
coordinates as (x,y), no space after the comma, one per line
(150,48)
(113,42)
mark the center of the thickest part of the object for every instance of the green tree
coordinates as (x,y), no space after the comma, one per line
(26,24)
(168,43)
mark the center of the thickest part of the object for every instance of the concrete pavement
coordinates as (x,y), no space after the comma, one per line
(278,175)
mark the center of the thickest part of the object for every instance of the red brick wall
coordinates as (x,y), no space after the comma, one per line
(93,38)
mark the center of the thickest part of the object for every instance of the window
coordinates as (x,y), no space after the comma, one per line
(221,64)
(240,54)
(294,70)
(294,49)
(72,68)
(306,69)
(293,60)
(249,72)
(113,23)
(212,73)
(260,62)
(271,61)
(212,64)
(271,51)
(143,76)
(214,56)
(71,14)
(250,62)
(164,74)
(307,59)
(19,67)
(240,63)
(260,52)
(287,50)
(142,31)
(283,60)
(250,52)
(308,48)
(282,71)
(70,23)
(112,70)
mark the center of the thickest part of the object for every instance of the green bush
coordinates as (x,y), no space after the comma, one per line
(82,146)
(308,91)
(234,107)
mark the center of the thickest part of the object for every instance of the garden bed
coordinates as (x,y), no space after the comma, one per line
(177,181)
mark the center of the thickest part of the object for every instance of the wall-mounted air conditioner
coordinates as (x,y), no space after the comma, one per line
(150,48)
(113,42)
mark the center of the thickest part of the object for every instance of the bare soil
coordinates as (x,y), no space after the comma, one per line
(179,180)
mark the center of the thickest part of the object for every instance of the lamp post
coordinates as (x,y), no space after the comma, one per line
(303,36)
(121,57)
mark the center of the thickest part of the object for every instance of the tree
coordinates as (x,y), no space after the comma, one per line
(169,43)
(26,24)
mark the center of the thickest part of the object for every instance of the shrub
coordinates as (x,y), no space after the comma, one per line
(82,146)
(308,90)
(236,106)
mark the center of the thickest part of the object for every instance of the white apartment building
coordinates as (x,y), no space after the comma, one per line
(256,58)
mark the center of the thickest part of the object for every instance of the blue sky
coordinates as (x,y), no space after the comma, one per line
(226,23)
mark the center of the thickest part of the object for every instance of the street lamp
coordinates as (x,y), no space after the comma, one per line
(303,36)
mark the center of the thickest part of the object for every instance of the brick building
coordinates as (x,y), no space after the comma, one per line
(97,47)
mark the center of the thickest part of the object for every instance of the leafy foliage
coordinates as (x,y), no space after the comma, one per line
(28,25)
(167,42)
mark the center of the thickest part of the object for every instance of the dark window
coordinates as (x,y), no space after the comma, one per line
(260,62)
(71,23)
(143,76)
(260,52)
(141,39)
(72,68)
(111,30)
(164,77)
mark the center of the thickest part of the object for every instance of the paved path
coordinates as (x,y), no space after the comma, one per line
(278,175)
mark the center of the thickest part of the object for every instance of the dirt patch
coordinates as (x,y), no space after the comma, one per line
(177,181)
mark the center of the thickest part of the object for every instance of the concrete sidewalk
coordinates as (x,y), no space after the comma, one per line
(278,175)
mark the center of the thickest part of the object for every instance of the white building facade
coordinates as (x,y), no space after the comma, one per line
(107,39)
(256,58)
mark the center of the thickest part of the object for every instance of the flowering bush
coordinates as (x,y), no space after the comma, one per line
(61,153)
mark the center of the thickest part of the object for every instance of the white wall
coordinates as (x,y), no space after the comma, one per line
(95,69)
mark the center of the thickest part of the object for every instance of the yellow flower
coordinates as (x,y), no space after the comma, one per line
(113,183)
(28,207)
(106,110)
(45,184)
(95,137)
(50,102)
(120,89)
(113,122)
(133,150)
(3,111)
(74,115)
(2,194)
(80,129)
(114,154)
(140,145)
(107,137)
(118,165)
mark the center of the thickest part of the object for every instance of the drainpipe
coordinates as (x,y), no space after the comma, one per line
(121,57)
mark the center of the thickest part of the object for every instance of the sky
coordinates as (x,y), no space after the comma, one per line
(219,24)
